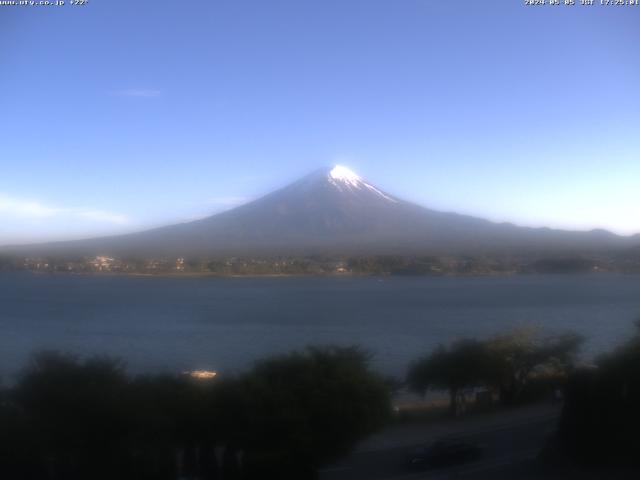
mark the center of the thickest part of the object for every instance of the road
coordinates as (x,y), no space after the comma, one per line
(508,440)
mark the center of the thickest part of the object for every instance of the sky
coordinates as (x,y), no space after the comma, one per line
(118,116)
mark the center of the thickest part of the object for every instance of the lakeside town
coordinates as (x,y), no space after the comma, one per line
(327,265)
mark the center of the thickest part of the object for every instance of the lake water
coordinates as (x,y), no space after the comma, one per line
(184,323)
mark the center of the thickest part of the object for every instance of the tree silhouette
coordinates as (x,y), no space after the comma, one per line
(517,356)
(600,419)
(505,363)
(309,407)
(463,365)
(68,418)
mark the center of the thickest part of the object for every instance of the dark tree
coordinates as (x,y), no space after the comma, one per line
(75,411)
(600,419)
(506,363)
(69,419)
(465,364)
(517,356)
(306,408)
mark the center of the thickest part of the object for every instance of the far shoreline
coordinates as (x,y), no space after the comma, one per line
(316,275)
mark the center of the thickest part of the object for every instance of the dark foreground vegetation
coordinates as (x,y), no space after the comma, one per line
(67,419)
(601,415)
(597,433)
(517,367)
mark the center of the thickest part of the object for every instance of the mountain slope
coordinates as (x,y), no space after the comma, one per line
(335,211)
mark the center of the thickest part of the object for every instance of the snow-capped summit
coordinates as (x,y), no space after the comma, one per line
(341,176)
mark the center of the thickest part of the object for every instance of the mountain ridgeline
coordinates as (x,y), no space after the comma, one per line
(334,211)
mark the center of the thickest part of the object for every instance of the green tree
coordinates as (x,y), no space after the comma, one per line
(465,364)
(68,418)
(600,418)
(506,363)
(304,409)
(517,356)
(75,410)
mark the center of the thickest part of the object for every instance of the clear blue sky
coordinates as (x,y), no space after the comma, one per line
(121,115)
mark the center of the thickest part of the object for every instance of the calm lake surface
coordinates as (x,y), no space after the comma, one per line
(184,323)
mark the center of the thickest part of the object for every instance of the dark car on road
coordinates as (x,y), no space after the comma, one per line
(443,453)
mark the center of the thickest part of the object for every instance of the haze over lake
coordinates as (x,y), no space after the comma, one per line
(183,323)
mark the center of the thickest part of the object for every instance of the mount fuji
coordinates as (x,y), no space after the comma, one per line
(335,211)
